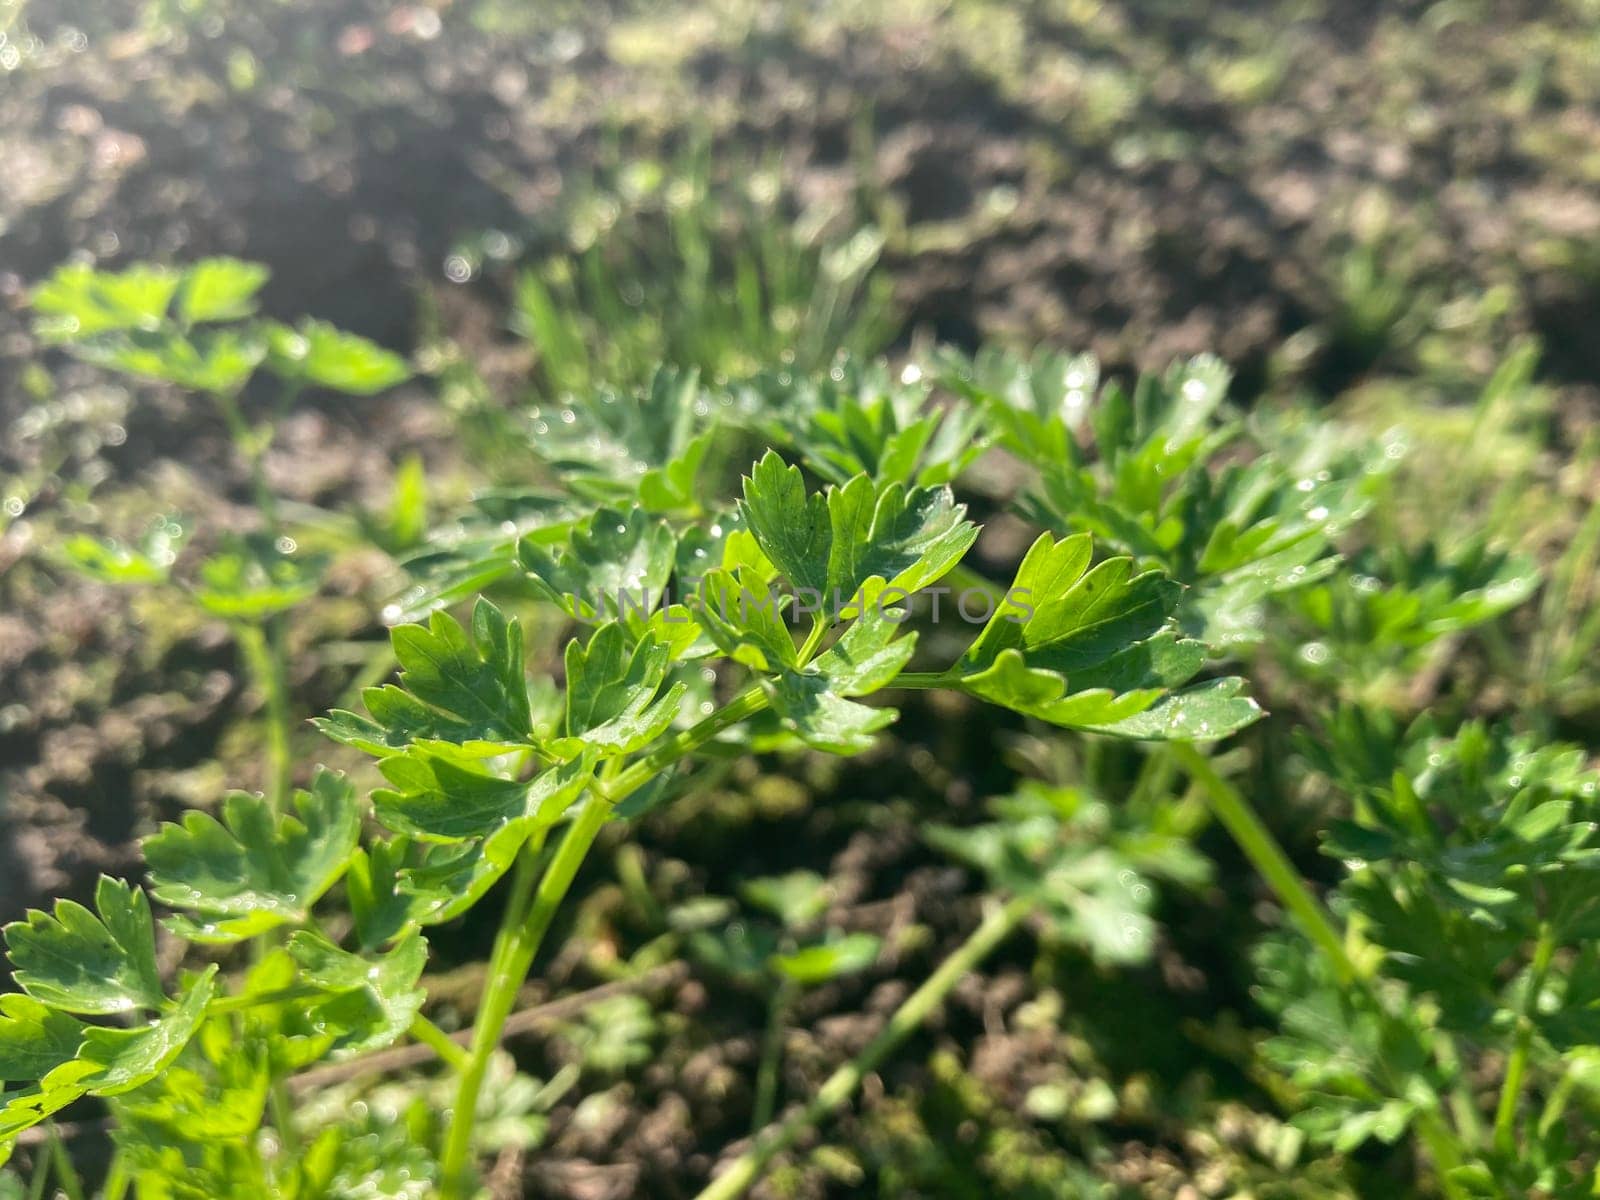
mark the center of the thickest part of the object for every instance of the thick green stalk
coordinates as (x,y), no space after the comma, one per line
(839,1087)
(1263,851)
(819,630)
(527,919)
(515,959)
(499,995)
(1505,1115)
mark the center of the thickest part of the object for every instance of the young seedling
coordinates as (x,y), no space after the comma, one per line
(197,329)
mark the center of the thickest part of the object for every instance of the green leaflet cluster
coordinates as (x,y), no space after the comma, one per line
(1164,473)
(1237,511)
(77,963)
(197,328)
(477,770)
(228,881)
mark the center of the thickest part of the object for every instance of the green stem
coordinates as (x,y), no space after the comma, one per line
(1443,1148)
(819,630)
(1463,1105)
(1264,852)
(771,1057)
(440,1042)
(839,1087)
(288,995)
(1555,1105)
(263,650)
(922,681)
(117,1179)
(515,953)
(1505,1114)
(499,990)
(40,1178)
(741,708)
(66,1173)
(283,1117)
(245,442)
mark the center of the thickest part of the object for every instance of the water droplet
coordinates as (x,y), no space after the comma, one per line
(911,374)
(286,545)
(1319,513)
